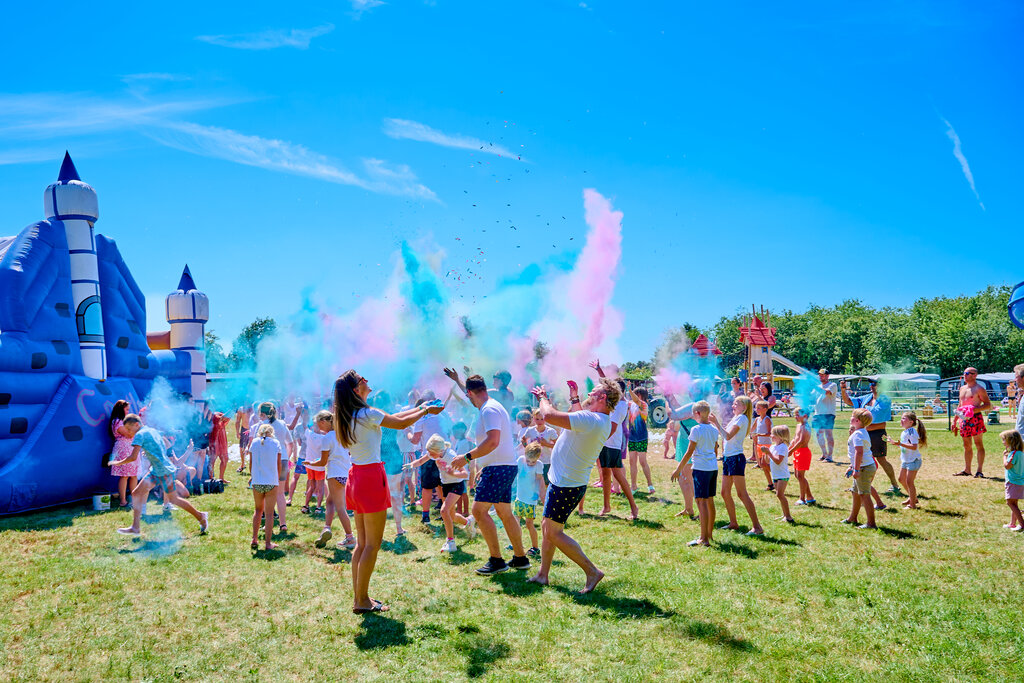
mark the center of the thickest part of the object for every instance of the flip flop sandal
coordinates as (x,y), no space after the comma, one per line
(304,509)
(254,545)
(979,475)
(378,606)
(962,473)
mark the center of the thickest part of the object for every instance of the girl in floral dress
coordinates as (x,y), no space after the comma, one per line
(127,474)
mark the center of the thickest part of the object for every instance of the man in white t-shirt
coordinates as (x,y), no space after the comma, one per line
(585,428)
(495,455)
(824,418)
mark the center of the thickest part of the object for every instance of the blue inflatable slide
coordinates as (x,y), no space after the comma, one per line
(72,342)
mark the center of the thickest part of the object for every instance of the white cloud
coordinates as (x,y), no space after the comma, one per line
(51,116)
(363,5)
(270,39)
(402,129)
(154,76)
(964,166)
(280,155)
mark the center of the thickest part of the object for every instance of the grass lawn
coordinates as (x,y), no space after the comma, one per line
(934,594)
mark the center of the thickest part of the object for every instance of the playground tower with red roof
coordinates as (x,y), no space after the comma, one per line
(758,338)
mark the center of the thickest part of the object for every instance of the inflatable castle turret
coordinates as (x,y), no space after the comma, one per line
(75,204)
(188,311)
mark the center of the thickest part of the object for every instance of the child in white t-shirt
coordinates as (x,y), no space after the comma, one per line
(453,485)
(778,462)
(862,467)
(266,464)
(529,480)
(463,445)
(913,437)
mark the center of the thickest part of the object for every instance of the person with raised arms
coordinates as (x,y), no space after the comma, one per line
(496,456)
(585,428)
(357,427)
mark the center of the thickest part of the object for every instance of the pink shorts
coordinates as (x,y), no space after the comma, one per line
(367,489)
(1014,491)
(314,475)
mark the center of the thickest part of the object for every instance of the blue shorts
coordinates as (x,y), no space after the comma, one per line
(561,501)
(165,482)
(705,483)
(495,484)
(911,466)
(823,421)
(300,467)
(734,466)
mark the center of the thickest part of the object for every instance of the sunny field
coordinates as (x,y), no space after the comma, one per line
(934,594)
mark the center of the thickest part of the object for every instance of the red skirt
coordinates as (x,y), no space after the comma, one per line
(367,489)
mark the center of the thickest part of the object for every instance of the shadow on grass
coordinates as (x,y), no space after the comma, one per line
(381,632)
(713,634)
(481,652)
(400,546)
(828,507)
(154,547)
(620,607)
(898,533)
(340,555)
(516,585)
(809,525)
(736,549)
(646,524)
(460,557)
(944,513)
(268,555)
(775,540)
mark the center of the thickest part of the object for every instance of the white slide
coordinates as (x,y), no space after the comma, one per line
(782,360)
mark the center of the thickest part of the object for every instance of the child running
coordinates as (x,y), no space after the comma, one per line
(862,468)
(703,449)
(778,462)
(316,475)
(529,481)
(337,461)
(265,461)
(161,475)
(914,436)
(1013,463)
(453,485)
(800,447)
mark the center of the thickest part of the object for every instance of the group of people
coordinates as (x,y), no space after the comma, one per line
(366,456)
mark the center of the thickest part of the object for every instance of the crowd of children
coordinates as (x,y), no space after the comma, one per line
(427,473)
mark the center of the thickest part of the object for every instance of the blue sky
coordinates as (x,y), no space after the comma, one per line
(773,154)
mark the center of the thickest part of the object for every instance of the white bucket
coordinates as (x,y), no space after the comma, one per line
(101,502)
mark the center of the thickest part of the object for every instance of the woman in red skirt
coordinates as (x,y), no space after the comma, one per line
(358,428)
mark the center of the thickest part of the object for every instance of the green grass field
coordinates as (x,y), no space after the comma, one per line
(934,594)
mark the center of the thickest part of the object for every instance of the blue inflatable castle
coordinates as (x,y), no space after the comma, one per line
(72,342)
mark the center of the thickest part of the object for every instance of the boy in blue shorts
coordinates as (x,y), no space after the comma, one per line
(529,480)
(161,474)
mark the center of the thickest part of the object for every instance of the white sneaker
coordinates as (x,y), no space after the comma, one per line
(471,527)
(168,507)
(449,546)
(325,536)
(204,526)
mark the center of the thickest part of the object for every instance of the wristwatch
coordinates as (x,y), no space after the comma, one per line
(468,457)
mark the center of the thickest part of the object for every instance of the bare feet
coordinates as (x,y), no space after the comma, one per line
(592,581)
(684,513)
(270,546)
(542,580)
(733,527)
(604,512)
(128,531)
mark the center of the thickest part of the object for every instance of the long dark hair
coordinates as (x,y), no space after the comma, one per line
(118,412)
(346,405)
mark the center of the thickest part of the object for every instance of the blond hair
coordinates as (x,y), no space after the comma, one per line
(781,431)
(761,404)
(1012,440)
(265,431)
(748,410)
(437,444)
(533,451)
(702,407)
(863,416)
(612,393)
(325,416)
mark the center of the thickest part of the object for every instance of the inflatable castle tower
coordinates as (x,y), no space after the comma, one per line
(72,342)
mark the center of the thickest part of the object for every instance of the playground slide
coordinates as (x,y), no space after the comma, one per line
(782,360)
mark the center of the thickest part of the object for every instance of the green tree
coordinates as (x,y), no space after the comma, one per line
(216,361)
(243,350)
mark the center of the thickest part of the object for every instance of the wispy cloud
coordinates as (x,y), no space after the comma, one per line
(361,6)
(268,40)
(958,153)
(402,129)
(155,76)
(47,116)
(280,155)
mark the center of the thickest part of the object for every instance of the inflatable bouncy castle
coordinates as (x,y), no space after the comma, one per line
(72,342)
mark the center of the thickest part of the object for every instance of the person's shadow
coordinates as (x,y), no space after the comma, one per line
(379,632)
